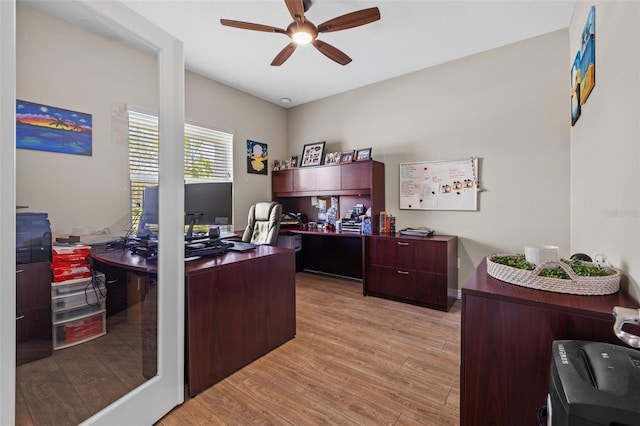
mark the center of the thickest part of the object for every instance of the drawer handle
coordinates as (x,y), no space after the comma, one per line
(400,243)
(20,317)
(403,272)
(19,271)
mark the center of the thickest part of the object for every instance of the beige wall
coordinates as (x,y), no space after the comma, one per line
(605,203)
(508,106)
(64,66)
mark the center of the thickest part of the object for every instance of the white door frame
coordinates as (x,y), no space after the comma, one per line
(149,402)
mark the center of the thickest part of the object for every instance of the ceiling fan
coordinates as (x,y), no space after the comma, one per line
(303,31)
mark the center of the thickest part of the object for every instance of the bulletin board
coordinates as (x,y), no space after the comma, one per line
(439,185)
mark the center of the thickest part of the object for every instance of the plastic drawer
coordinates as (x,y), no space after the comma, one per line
(78,331)
(87,296)
(68,287)
(84,311)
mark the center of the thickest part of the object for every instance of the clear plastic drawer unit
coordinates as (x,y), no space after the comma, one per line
(79,310)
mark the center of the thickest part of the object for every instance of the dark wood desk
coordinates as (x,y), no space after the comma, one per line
(507,331)
(239,306)
(337,253)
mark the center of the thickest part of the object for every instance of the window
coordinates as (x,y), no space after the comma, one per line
(208,156)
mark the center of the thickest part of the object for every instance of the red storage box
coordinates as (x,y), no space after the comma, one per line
(70,254)
(82,329)
(70,271)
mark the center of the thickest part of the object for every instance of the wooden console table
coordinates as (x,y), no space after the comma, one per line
(239,306)
(507,331)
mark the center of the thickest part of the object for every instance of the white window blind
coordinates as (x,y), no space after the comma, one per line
(208,156)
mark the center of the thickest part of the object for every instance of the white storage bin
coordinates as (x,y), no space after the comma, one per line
(87,296)
(65,288)
(78,308)
(292,241)
(79,312)
(70,333)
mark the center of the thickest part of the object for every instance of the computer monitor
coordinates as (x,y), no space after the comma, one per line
(207,203)
(149,213)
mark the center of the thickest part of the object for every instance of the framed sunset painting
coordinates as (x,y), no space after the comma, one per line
(46,128)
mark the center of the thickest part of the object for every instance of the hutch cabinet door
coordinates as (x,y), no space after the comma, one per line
(304,179)
(328,178)
(282,181)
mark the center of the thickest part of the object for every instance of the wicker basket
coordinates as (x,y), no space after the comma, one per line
(591,286)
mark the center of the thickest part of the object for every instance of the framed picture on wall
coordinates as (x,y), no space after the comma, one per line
(257,157)
(312,154)
(48,128)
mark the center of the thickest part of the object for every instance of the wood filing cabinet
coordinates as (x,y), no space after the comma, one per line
(33,311)
(418,270)
(506,337)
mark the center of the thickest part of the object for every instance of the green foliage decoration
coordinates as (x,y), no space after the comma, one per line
(581,268)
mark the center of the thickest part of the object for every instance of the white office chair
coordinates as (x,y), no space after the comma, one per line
(264,223)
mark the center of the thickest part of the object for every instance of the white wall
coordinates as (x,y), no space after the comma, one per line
(508,106)
(605,202)
(64,66)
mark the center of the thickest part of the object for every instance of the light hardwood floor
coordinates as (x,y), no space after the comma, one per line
(354,361)
(77,382)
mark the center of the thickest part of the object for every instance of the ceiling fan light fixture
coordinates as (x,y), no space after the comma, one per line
(302,37)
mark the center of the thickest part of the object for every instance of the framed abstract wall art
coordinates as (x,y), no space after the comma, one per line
(257,157)
(588,57)
(46,128)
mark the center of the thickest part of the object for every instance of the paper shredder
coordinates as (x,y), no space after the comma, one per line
(593,383)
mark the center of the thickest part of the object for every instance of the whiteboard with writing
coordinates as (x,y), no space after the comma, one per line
(439,185)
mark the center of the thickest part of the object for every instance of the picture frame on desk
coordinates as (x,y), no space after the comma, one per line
(312,154)
(363,154)
(293,162)
(347,156)
(332,158)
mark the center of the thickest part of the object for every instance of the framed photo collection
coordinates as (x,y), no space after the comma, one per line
(312,154)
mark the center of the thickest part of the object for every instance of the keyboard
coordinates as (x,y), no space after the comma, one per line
(240,245)
(208,249)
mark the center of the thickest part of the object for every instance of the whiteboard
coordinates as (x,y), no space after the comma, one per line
(439,185)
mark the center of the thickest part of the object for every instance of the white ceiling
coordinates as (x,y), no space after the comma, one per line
(411,35)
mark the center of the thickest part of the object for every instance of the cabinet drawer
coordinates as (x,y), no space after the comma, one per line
(427,256)
(33,335)
(420,287)
(32,285)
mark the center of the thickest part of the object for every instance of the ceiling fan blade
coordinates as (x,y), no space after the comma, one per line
(350,20)
(296,9)
(331,52)
(251,26)
(284,54)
